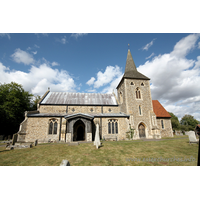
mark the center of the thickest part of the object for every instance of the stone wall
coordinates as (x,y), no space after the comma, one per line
(52,109)
(37,129)
(123,127)
(167,130)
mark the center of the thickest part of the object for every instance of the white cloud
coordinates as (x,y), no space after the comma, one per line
(55,64)
(111,77)
(199,45)
(41,34)
(5,34)
(21,56)
(76,35)
(175,79)
(91,81)
(150,56)
(108,76)
(34,52)
(38,79)
(147,46)
(63,40)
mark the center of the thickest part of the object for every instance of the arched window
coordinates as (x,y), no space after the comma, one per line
(132,83)
(53,126)
(112,126)
(138,93)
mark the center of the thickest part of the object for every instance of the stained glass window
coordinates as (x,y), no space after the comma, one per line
(116,128)
(55,128)
(109,128)
(50,127)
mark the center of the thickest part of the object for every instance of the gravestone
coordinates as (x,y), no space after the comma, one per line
(192,138)
(64,163)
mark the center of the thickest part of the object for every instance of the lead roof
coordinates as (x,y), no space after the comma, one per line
(65,98)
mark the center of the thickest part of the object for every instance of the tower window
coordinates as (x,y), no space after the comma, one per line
(140,111)
(120,97)
(138,93)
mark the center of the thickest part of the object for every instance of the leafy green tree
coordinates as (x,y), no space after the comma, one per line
(34,102)
(175,122)
(188,122)
(14,101)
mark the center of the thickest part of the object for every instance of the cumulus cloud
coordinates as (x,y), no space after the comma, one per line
(147,46)
(91,81)
(21,56)
(76,35)
(110,77)
(174,78)
(38,79)
(150,56)
(55,64)
(5,35)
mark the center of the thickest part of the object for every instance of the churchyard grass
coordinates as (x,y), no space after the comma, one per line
(121,153)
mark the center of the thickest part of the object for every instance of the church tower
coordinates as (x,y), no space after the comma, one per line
(134,96)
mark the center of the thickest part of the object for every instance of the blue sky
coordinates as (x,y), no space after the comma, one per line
(95,62)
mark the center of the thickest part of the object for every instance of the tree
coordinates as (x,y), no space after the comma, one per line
(14,101)
(188,122)
(175,122)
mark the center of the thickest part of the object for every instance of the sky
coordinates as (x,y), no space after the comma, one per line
(95,62)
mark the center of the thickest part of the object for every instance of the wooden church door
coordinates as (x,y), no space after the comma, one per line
(141,130)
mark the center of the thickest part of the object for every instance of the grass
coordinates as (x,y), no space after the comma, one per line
(121,153)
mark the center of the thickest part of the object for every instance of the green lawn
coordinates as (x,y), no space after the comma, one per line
(121,153)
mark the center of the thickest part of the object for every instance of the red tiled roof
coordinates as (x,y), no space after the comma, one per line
(159,109)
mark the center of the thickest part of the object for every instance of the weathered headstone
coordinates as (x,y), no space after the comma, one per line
(192,138)
(64,163)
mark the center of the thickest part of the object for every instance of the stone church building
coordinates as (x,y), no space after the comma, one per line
(69,117)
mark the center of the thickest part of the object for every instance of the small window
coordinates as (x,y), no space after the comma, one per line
(91,110)
(120,97)
(162,124)
(142,84)
(109,110)
(140,111)
(73,109)
(132,83)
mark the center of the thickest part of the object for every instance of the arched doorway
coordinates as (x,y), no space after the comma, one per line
(141,128)
(79,131)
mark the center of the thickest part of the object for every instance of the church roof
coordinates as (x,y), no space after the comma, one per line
(159,110)
(65,98)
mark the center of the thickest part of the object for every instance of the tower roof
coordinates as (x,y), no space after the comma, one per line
(131,70)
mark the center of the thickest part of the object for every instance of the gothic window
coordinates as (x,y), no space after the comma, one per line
(162,124)
(113,126)
(140,110)
(138,93)
(53,126)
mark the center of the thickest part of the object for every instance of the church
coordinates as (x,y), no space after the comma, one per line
(69,117)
